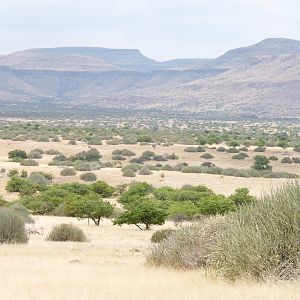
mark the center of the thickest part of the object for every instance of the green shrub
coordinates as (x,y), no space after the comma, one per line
(216,205)
(261,241)
(232,150)
(68,172)
(103,189)
(13,172)
(17,154)
(88,176)
(66,233)
(161,235)
(187,248)
(12,227)
(118,157)
(273,158)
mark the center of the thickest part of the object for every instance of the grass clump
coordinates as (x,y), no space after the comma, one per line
(66,233)
(261,241)
(12,227)
(188,247)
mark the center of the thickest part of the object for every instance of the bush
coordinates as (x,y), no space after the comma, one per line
(38,178)
(12,227)
(216,205)
(194,149)
(68,172)
(161,235)
(238,156)
(66,233)
(286,160)
(296,160)
(80,165)
(103,189)
(221,149)
(207,156)
(118,157)
(21,154)
(145,171)
(253,245)
(273,158)
(88,176)
(35,155)
(29,162)
(52,152)
(128,173)
(232,150)
(188,247)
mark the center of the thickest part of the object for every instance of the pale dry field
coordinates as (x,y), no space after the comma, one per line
(220,184)
(111,266)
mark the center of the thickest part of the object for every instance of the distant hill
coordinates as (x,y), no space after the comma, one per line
(262,80)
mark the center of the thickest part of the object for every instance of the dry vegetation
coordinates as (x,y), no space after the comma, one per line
(111,266)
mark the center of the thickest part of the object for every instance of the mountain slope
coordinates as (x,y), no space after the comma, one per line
(261,80)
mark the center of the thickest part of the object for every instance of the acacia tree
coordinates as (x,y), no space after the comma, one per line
(90,206)
(144,212)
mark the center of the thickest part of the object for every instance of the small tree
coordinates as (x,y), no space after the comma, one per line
(261,162)
(90,206)
(144,212)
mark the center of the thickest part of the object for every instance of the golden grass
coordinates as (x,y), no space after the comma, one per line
(110,266)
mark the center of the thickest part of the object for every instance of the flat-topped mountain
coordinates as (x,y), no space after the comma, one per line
(259,80)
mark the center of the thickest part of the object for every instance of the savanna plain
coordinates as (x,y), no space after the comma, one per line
(113,262)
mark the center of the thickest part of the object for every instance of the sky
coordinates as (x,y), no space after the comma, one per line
(161,29)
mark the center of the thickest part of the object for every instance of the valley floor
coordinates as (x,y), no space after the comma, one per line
(110,266)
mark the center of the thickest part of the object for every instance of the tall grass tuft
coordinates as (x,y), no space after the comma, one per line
(188,247)
(262,241)
(12,227)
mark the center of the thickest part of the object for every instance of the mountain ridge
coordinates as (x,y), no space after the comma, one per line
(263,79)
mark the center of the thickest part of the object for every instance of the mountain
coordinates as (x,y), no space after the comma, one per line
(79,59)
(262,80)
(247,56)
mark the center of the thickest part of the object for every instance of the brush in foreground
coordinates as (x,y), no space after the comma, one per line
(12,227)
(262,241)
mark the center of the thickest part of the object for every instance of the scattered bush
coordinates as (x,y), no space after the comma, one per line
(66,233)
(68,172)
(88,176)
(286,160)
(29,162)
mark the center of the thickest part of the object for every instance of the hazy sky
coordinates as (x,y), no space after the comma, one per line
(161,29)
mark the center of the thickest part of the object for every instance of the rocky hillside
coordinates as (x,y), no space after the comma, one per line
(259,80)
